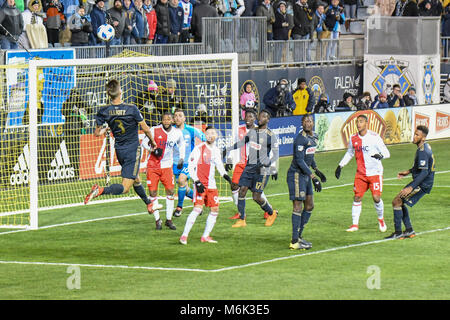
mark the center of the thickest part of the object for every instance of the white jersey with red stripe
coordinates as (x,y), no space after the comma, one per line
(363,148)
(166,140)
(203,162)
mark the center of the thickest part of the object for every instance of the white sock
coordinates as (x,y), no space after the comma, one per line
(191,220)
(169,207)
(235,196)
(379,207)
(156,215)
(263,196)
(210,222)
(356,212)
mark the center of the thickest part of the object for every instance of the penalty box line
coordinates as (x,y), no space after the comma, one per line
(253,264)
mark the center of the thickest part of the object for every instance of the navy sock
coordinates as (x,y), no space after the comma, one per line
(139,189)
(406,219)
(305,218)
(398,216)
(267,207)
(241,207)
(181,195)
(114,189)
(296,221)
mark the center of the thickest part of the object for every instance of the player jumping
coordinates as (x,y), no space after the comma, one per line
(203,161)
(123,121)
(300,181)
(159,165)
(260,165)
(182,174)
(423,179)
(368,149)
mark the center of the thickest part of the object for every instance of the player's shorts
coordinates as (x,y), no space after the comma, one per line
(165,175)
(300,185)
(254,181)
(129,161)
(238,169)
(414,197)
(209,198)
(363,183)
(183,170)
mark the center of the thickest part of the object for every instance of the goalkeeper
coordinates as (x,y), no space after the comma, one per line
(124,121)
(301,180)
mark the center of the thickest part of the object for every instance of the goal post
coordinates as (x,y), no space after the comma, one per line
(65,159)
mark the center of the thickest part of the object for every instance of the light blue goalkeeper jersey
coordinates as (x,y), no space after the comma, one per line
(189,135)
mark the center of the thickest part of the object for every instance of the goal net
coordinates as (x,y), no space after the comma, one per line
(49,156)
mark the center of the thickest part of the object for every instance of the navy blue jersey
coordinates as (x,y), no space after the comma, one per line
(303,155)
(423,168)
(123,120)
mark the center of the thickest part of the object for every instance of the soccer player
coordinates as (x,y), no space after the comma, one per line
(203,161)
(300,181)
(261,142)
(368,149)
(423,179)
(124,121)
(249,118)
(159,165)
(182,175)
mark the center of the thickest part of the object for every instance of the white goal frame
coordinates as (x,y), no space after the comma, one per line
(34,65)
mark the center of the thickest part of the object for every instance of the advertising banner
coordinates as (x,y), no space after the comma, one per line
(436,118)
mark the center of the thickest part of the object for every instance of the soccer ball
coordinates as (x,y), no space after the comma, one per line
(105,32)
(249,104)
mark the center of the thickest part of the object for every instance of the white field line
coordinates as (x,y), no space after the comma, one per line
(142,213)
(253,264)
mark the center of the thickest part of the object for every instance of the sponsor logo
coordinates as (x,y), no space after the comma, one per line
(348,84)
(376,124)
(311,150)
(255,145)
(421,120)
(215,96)
(61,165)
(21,173)
(317,86)
(442,121)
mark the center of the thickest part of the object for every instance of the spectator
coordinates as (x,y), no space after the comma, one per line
(171,100)
(187,8)
(334,17)
(411,98)
(278,100)
(317,28)
(247,99)
(54,21)
(350,7)
(150,14)
(250,8)
(201,10)
(141,22)
(302,20)
(230,8)
(266,10)
(117,17)
(380,101)
(80,28)
(11,19)
(365,101)
(395,99)
(430,8)
(34,34)
(98,17)
(425,9)
(163,22)
(347,103)
(281,26)
(176,21)
(130,31)
(323,104)
(303,97)
(406,8)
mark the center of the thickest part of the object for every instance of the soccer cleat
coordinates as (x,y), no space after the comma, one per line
(266,215)
(408,234)
(159,224)
(95,192)
(395,235)
(240,223)
(170,225)
(306,244)
(235,217)
(208,239)
(353,228)
(271,218)
(382,225)
(177,212)
(183,240)
(300,245)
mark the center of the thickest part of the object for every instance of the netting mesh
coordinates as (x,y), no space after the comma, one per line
(70,158)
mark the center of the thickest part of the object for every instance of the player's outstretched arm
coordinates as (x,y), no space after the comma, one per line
(100,131)
(148,133)
(345,160)
(403,174)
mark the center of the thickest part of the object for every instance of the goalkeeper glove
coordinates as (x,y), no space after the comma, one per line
(317,185)
(180,164)
(378,156)
(337,173)
(275,176)
(320,175)
(158,152)
(199,186)
(227,177)
(228,166)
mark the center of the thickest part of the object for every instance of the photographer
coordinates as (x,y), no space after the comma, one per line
(323,105)
(278,100)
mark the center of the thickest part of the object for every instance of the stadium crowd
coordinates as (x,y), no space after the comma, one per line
(40,23)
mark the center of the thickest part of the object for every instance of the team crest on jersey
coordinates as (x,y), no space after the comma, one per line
(300,148)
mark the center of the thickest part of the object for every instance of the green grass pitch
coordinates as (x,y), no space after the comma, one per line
(120,255)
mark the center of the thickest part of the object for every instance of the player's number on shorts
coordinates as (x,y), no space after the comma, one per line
(376,186)
(120,125)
